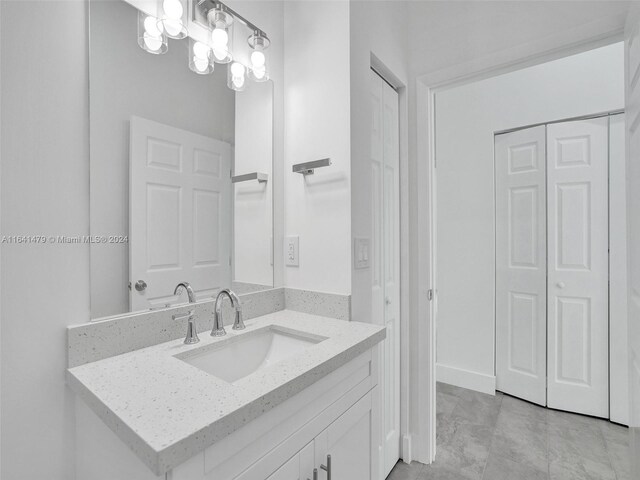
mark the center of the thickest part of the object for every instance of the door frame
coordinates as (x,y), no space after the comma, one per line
(423,215)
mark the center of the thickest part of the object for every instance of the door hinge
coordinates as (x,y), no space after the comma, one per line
(430,294)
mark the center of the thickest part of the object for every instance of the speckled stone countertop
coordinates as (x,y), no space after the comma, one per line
(167,410)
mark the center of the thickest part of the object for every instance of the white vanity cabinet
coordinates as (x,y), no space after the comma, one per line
(336,414)
(347,440)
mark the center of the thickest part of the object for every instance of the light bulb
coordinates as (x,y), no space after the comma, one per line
(257,59)
(220,53)
(173,9)
(238,82)
(153,43)
(201,51)
(220,38)
(201,64)
(173,27)
(151,27)
(259,73)
(237,70)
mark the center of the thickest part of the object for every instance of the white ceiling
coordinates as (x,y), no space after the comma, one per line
(444,34)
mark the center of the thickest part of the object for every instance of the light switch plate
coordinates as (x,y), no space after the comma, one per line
(292,251)
(361,252)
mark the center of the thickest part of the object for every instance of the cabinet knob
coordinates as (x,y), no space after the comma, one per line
(560,284)
(327,467)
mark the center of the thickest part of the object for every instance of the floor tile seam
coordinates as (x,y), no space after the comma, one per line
(493,436)
(606,447)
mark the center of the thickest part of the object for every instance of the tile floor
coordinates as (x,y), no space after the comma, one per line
(486,437)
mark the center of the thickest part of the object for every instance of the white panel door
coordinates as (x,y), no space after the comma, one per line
(577,182)
(632,109)
(385,164)
(180,220)
(521,282)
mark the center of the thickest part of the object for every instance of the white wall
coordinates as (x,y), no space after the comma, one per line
(466,119)
(125,81)
(317,125)
(45,191)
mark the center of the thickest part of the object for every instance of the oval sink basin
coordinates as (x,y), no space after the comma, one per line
(237,357)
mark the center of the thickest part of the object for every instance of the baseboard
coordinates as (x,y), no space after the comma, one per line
(406,449)
(459,377)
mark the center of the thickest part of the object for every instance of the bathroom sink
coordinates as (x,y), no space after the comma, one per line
(236,357)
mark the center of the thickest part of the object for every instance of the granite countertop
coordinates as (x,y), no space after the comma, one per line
(167,410)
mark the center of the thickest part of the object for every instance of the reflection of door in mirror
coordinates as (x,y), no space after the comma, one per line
(180,195)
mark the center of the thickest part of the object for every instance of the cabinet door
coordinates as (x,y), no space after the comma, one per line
(288,471)
(298,467)
(348,441)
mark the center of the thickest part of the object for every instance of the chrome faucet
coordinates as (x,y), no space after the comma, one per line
(192,334)
(218,323)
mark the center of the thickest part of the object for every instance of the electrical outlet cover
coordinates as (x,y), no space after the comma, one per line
(292,251)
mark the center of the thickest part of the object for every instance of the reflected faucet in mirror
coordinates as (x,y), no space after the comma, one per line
(218,322)
(192,334)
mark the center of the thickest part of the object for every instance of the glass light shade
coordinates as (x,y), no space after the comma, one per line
(259,74)
(200,57)
(150,37)
(221,24)
(174,19)
(259,43)
(237,77)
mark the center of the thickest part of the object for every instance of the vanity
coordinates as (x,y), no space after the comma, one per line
(291,394)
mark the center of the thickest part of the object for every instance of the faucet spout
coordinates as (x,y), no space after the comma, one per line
(191,295)
(218,322)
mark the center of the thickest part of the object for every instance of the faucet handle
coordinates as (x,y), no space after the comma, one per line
(192,333)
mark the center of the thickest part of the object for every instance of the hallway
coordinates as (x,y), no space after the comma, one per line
(485,437)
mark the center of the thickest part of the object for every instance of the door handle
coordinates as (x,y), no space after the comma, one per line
(141,285)
(327,467)
(560,285)
(315,474)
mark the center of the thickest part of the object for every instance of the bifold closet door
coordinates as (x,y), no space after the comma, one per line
(521,264)
(385,258)
(577,203)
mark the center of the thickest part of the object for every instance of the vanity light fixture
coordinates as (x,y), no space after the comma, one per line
(218,22)
(200,61)
(150,37)
(174,19)
(259,43)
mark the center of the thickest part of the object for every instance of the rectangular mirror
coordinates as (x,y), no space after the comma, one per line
(181,173)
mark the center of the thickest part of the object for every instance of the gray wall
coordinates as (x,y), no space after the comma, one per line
(44,185)
(125,81)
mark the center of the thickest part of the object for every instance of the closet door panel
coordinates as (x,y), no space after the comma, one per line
(521,264)
(577,211)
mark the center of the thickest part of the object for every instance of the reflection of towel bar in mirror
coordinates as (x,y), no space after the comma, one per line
(261,177)
(307,168)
